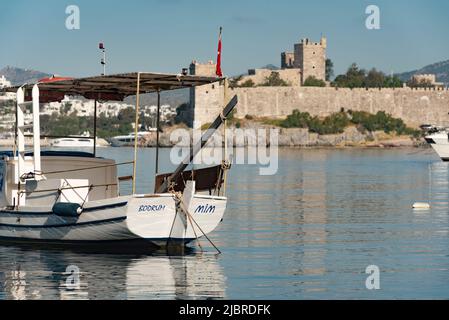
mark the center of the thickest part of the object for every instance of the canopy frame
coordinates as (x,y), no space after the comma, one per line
(103,88)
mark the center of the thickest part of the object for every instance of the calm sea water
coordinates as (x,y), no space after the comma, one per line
(308,232)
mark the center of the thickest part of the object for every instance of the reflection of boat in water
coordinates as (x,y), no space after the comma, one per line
(186,278)
(48,274)
(72,198)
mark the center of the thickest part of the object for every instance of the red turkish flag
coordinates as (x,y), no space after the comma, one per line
(218,71)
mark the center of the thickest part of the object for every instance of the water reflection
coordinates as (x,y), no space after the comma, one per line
(309,232)
(42,274)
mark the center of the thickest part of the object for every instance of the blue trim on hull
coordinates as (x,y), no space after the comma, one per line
(99,208)
(80,224)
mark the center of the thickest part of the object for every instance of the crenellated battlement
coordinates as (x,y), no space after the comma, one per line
(307,42)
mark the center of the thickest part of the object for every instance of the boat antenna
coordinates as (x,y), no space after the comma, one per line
(103,59)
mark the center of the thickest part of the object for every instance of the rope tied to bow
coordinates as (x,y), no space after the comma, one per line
(183,207)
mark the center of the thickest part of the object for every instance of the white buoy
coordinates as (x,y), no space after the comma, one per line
(421,205)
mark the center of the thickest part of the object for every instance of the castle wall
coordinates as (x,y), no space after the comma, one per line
(206,102)
(209,103)
(259,76)
(414,106)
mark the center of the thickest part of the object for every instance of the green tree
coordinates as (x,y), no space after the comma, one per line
(247,84)
(233,82)
(297,120)
(333,124)
(181,113)
(329,69)
(393,82)
(66,107)
(354,78)
(375,79)
(314,82)
(274,80)
(127,115)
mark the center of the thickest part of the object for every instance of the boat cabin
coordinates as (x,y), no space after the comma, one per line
(40,179)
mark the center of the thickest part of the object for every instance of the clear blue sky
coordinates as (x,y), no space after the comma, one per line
(165,35)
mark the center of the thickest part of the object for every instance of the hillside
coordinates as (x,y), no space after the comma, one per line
(173,98)
(19,76)
(440,69)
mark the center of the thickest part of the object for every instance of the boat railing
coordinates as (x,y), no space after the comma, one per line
(107,185)
(60,137)
(85,169)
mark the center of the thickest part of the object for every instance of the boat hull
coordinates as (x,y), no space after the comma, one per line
(442,150)
(147,219)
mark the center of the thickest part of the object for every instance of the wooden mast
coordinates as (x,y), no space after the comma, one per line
(158,120)
(95,128)
(136,130)
(204,139)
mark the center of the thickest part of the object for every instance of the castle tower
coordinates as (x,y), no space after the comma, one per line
(206,101)
(287,60)
(310,57)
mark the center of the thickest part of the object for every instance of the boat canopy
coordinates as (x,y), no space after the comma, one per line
(113,87)
(104,88)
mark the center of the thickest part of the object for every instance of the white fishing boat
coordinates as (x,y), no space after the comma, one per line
(72,142)
(128,140)
(439,141)
(72,198)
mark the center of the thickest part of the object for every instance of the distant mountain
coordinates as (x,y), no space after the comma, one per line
(19,76)
(174,98)
(440,69)
(270,67)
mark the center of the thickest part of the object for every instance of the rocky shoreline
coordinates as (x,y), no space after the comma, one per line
(351,137)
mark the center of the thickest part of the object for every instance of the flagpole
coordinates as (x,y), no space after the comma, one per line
(218,71)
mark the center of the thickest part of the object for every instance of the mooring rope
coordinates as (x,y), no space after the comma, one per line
(183,207)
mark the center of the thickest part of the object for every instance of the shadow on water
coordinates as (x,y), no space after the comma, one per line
(30,272)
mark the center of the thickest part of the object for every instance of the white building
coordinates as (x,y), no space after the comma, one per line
(86,108)
(4,83)
(83,108)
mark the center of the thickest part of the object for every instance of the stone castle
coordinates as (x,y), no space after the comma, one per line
(414,106)
(307,60)
(310,58)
